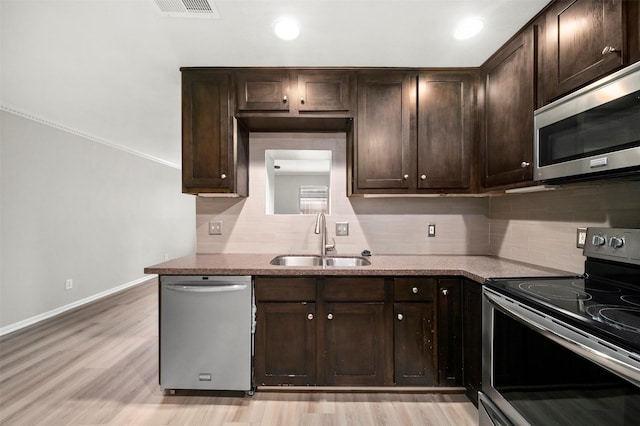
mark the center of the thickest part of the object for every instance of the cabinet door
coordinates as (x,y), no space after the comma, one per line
(633,30)
(208,134)
(472,338)
(384,153)
(355,343)
(414,360)
(285,344)
(445,103)
(579,38)
(450,332)
(507,132)
(266,90)
(323,91)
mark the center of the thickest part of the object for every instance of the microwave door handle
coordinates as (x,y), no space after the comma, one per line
(532,320)
(205,288)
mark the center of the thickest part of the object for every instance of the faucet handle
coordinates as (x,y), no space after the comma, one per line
(331,246)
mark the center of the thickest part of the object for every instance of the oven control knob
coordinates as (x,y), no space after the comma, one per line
(598,240)
(616,242)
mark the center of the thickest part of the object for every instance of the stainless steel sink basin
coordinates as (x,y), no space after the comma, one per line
(346,261)
(312,260)
(297,260)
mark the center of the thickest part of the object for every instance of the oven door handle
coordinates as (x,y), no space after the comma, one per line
(576,341)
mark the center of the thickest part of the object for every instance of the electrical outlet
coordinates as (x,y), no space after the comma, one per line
(342,229)
(215,227)
(581,237)
(68,285)
(431,230)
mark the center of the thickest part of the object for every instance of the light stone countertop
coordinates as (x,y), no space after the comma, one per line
(477,268)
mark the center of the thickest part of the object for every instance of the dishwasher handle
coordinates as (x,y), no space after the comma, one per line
(205,288)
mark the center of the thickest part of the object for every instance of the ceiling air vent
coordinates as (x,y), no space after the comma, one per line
(188,8)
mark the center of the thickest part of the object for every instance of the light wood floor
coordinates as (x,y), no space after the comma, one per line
(98,365)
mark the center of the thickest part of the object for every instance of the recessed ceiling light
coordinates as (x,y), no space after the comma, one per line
(468,28)
(286,29)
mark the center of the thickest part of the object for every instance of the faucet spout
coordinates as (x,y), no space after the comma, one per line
(321,228)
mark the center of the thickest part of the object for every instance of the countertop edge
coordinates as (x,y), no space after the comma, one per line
(474,267)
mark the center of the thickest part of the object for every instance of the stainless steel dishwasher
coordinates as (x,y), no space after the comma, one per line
(206,327)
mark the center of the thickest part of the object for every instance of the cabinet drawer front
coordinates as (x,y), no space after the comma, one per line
(282,289)
(354,289)
(414,289)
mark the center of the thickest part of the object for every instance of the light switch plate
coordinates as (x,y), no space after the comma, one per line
(581,237)
(215,227)
(342,229)
(431,230)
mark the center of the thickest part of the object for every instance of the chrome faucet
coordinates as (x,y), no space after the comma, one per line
(321,228)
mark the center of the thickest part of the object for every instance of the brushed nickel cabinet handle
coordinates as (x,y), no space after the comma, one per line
(223,176)
(445,292)
(400,317)
(524,164)
(330,316)
(414,290)
(302,99)
(405,177)
(423,177)
(310,316)
(284,99)
(609,49)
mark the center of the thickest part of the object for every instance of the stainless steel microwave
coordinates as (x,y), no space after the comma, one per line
(593,133)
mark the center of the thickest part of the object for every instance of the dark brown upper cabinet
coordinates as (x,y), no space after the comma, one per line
(414,132)
(507,106)
(323,91)
(384,150)
(263,90)
(293,91)
(445,130)
(583,40)
(214,146)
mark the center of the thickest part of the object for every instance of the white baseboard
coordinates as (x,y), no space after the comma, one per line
(35,319)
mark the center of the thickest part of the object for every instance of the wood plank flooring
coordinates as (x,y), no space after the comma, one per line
(98,365)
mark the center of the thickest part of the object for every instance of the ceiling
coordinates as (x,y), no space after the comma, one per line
(109,69)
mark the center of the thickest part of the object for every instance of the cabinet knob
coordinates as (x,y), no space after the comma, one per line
(223,176)
(414,290)
(302,99)
(400,317)
(445,291)
(309,316)
(330,316)
(284,99)
(524,164)
(423,177)
(609,49)
(405,177)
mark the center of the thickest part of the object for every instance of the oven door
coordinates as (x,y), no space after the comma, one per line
(540,371)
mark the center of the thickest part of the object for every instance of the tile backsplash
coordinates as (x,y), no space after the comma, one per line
(540,228)
(381,225)
(536,228)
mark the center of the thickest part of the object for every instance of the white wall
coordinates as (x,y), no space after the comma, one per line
(75,208)
(382,225)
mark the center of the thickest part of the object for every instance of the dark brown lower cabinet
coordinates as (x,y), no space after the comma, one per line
(414,360)
(286,344)
(355,344)
(450,331)
(472,331)
(368,331)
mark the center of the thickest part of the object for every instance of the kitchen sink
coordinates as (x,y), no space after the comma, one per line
(346,261)
(297,260)
(312,260)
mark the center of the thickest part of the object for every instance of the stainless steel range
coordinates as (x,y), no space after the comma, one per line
(566,350)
